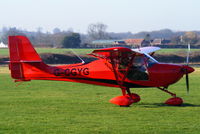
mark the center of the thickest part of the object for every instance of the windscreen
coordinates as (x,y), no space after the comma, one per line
(138,71)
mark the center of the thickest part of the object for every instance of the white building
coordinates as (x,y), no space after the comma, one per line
(2,45)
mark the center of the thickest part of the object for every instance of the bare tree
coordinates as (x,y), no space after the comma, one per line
(56,30)
(97,31)
(190,37)
(9,32)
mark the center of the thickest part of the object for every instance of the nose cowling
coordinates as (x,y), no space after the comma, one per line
(187,69)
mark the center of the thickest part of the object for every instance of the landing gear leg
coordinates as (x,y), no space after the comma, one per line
(174,101)
(127,99)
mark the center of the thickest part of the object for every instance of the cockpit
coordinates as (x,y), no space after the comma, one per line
(133,63)
(139,67)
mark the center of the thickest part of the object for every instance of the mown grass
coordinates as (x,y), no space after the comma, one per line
(4,52)
(63,107)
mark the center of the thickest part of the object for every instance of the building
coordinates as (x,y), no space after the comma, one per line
(107,43)
(2,45)
(120,42)
(137,42)
(160,42)
(157,42)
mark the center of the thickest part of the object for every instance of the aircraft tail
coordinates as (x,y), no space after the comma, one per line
(25,63)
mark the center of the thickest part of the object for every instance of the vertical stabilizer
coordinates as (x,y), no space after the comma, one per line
(22,50)
(22,57)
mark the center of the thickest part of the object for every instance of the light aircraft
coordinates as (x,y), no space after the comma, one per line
(115,67)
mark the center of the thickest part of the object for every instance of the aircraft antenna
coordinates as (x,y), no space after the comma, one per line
(82,61)
(188,54)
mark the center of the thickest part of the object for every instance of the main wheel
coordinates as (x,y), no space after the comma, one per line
(123,101)
(135,97)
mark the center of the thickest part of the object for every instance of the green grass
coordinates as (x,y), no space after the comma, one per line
(54,107)
(174,51)
(60,50)
(4,52)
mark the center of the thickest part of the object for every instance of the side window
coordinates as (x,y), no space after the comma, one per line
(138,70)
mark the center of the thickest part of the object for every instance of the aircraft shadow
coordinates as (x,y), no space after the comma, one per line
(157,105)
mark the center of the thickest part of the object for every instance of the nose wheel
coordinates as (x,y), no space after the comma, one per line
(174,101)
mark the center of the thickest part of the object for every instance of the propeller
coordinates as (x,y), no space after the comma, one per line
(187,82)
(186,69)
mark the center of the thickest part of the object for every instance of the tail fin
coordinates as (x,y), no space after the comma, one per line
(24,60)
(22,50)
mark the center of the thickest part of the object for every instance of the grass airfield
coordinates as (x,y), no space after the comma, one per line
(63,107)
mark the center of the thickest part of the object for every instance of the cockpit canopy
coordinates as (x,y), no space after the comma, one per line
(135,62)
(139,67)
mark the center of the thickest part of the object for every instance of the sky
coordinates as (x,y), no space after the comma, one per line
(119,15)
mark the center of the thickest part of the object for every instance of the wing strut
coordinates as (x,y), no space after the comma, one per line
(121,60)
(121,64)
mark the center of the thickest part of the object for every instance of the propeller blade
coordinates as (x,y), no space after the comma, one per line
(187,63)
(187,82)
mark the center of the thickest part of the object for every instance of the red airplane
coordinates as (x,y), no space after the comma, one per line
(114,67)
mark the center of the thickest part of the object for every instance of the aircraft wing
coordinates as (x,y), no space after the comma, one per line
(107,52)
(147,50)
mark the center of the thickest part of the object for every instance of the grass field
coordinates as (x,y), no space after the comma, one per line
(4,52)
(53,107)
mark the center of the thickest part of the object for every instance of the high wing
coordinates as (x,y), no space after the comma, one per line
(146,50)
(107,52)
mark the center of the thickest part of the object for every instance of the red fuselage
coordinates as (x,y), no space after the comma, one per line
(99,72)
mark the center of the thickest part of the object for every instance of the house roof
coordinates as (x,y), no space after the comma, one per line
(134,41)
(106,42)
(102,42)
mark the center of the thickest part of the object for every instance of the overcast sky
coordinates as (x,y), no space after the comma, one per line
(118,15)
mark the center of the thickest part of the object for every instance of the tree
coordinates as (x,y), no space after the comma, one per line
(147,37)
(190,37)
(10,32)
(56,30)
(97,31)
(71,41)
(176,40)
